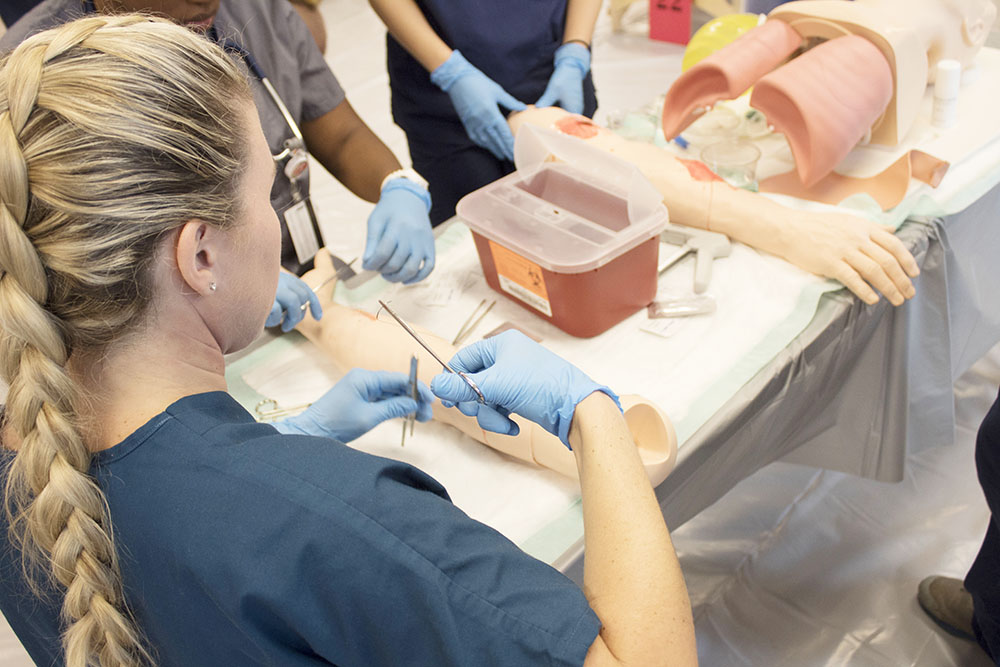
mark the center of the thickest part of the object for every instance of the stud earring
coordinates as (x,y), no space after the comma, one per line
(212,286)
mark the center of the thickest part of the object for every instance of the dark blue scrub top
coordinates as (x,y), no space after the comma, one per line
(241,546)
(511,41)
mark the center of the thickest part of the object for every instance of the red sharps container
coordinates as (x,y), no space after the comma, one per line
(572,235)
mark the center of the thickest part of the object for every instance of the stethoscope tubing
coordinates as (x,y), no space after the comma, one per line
(251,62)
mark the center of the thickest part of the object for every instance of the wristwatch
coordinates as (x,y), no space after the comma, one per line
(408,174)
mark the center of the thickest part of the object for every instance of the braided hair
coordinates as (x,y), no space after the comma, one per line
(113,132)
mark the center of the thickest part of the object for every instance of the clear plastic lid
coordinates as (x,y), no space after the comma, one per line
(569,207)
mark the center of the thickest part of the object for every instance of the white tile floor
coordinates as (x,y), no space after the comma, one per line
(794,566)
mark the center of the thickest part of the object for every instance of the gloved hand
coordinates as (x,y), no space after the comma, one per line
(565,87)
(516,375)
(358,403)
(288,301)
(400,243)
(476,98)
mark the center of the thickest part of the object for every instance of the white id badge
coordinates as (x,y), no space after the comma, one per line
(299,221)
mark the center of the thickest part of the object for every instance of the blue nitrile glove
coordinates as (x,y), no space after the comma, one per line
(358,403)
(292,294)
(565,87)
(476,98)
(400,242)
(516,375)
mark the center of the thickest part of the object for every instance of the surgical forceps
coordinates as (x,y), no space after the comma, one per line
(466,378)
(415,395)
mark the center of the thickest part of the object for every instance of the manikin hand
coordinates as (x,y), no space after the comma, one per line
(565,86)
(516,375)
(477,100)
(292,294)
(358,403)
(857,252)
(400,243)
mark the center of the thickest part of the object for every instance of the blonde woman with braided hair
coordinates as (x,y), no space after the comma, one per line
(150,519)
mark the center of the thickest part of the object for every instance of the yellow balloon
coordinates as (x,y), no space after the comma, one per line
(714,35)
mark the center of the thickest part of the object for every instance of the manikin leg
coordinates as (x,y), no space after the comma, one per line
(355,339)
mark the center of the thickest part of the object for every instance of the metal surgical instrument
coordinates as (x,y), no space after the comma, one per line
(410,420)
(474,319)
(466,378)
(268,410)
(339,274)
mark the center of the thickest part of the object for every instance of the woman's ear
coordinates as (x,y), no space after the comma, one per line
(196,251)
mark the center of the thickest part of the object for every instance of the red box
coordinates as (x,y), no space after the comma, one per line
(572,235)
(670,20)
(581,304)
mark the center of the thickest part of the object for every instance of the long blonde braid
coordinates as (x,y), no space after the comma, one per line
(113,131)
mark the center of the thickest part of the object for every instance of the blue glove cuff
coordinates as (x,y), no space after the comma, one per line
(409,186)
(573,55)
(566,412)
(451,70)
(290,426)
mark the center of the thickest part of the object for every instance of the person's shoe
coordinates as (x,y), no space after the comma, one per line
(948,604)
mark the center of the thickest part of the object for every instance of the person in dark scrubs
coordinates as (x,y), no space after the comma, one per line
(971,608)
(457,67)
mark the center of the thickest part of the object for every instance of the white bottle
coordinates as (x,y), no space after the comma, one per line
(946,85)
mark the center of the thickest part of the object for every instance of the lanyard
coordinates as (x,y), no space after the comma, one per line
(233,47)
(299,217)
(294,158)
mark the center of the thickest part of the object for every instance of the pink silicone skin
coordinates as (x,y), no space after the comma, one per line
(825,101)
(727,73)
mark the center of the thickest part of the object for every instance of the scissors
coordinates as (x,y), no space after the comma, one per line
(466,378)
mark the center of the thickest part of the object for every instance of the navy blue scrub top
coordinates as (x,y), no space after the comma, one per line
(511,41)
(243,546)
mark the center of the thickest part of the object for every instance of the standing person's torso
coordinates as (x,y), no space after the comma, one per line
(511,42)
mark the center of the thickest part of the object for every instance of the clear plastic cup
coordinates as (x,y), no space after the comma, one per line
(735,162)
(719,123)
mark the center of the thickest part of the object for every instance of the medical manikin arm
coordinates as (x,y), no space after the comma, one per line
(859,253)
(355,339)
